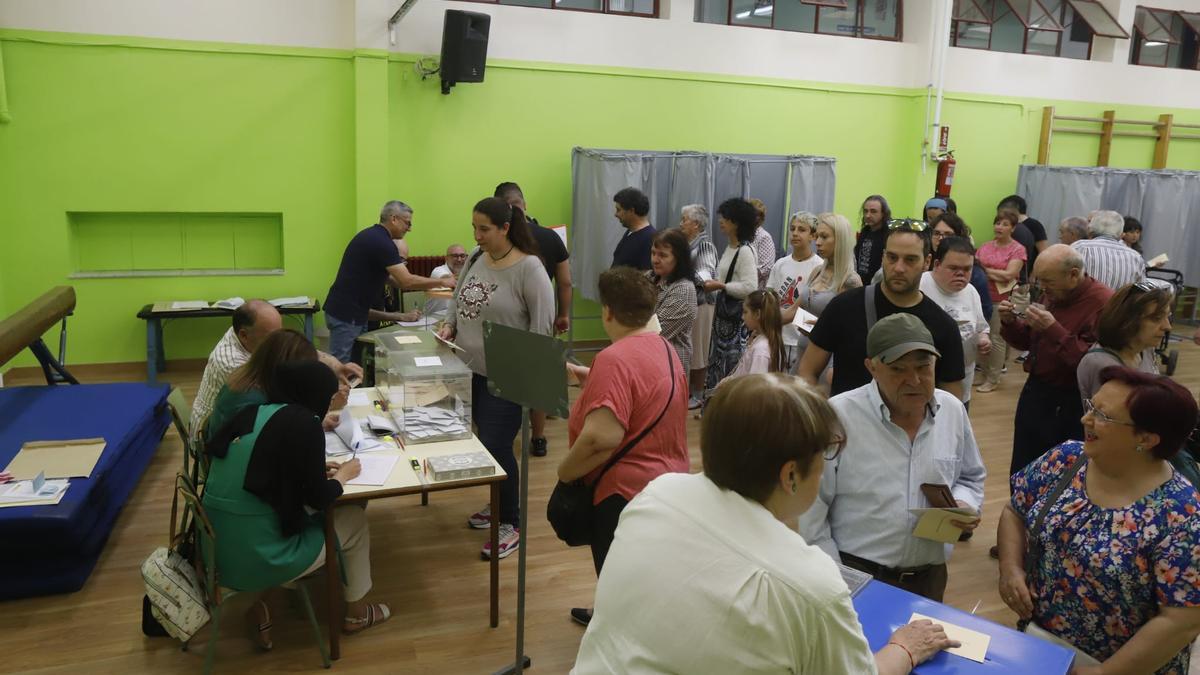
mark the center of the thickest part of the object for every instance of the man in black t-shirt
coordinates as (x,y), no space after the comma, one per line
(631,207)
(557,261)
(868,250)
(841,332)
(369,259)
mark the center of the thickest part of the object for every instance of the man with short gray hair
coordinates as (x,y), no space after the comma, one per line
(1105,258)
(1072,229)
(370,259)
(903,435)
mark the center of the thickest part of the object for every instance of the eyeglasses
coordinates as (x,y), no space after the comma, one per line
(835,447)
(911,224)
(457,255)
(1090,408)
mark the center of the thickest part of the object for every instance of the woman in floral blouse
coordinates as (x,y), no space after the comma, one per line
(1116,562)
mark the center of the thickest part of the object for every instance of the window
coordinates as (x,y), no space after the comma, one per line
(647,8)
(1046,27)
(1165,38)
(872,19)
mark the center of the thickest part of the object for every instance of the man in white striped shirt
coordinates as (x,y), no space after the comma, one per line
(1105,258)
(902,434)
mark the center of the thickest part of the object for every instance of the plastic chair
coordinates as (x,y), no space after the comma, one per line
(205,560)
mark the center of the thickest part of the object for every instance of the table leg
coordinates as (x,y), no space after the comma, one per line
(495,558)
(151,351)
(334,587)
(161,354)
(308,327)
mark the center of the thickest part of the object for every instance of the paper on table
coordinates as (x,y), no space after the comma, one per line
(229,303)
(375,469)
(334,444)
(406,339)
(974,644)
(288,302)
(804,321)
(57,459)
(934,524)
(359,397)
(29,490)
(179,305)
(352,434)
(426,361)
(419,323)
(381,425)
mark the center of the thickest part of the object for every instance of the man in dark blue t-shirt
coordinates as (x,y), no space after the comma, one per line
(370,259)
(632,207)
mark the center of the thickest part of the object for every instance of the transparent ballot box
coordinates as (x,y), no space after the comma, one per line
(428,395)
(378,344)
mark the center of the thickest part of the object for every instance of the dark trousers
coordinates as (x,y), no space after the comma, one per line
(928,581)
(606,515)
(498,421)
(1046,416)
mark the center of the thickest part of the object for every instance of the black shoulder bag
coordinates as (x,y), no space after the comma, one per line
(570,509)
(729,308)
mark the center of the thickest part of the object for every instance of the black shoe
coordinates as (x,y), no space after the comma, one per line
(538,449)
(965,536)
(581,615)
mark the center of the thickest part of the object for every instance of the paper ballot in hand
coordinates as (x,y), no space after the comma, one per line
(804,321)
(352,434)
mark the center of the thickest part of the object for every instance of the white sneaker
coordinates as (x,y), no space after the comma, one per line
(481,519)
(510,539)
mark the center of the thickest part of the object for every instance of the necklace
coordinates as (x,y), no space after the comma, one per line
(495,259)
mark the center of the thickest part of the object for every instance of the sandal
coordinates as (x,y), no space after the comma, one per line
(376,614)
(258,620)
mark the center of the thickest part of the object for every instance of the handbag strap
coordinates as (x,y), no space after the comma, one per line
(733,263)
(1051,497)
(629,446)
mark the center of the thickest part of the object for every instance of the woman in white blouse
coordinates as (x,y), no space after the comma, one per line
(768,602)
(737,277)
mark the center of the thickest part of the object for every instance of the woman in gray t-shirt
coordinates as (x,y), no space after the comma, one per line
(1130,326)
(504,282)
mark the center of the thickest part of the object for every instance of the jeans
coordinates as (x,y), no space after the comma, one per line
(342,335)
(604,528)
(498,420)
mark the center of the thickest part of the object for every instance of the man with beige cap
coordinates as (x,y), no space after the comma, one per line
(905,440)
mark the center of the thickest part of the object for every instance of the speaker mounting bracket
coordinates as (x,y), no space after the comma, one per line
(391,24)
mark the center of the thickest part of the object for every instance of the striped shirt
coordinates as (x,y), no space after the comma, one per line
(862,507)
(676,311)
(1110,262)
(226,357)
(704,258)
(764,253)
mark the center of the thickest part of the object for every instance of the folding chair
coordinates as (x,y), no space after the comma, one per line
(215,594)
(195,462)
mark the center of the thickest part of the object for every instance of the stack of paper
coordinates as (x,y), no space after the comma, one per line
(299,300)
(423,423)
(229,303)
(351,435)
(179,305)
(36,492)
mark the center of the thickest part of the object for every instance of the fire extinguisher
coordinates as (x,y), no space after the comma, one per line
(945,175)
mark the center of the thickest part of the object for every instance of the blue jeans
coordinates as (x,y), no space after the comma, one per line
(498,422)
(342,335)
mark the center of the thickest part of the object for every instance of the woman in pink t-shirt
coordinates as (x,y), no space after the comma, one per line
(635,394)
(1002,260)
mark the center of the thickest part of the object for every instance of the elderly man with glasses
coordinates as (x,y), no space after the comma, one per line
(456,259)
(908,445)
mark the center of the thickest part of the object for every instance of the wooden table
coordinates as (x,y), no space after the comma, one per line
(404,481)
(156,359)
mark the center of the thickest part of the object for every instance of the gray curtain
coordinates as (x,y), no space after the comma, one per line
(673,180)
(1166,202)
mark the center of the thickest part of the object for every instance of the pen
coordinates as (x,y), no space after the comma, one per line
(976,607)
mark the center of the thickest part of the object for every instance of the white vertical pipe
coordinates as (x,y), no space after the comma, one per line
(942,38)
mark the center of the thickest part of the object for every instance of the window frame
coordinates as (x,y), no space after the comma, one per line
(1140,37)
(1083,17)
(603,10)
(816,24)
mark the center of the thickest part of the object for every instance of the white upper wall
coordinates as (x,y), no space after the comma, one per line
(674,42)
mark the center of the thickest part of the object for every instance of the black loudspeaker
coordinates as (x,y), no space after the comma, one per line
(464,47)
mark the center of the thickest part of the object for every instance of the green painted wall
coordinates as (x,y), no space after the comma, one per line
(323,137)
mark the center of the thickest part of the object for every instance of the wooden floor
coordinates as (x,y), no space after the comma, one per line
(426,565)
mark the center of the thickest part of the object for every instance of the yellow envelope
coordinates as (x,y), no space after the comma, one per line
(974,644)
(57,459)
(934,524)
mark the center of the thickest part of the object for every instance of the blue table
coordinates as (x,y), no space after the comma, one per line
(156,359)
(882,609)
